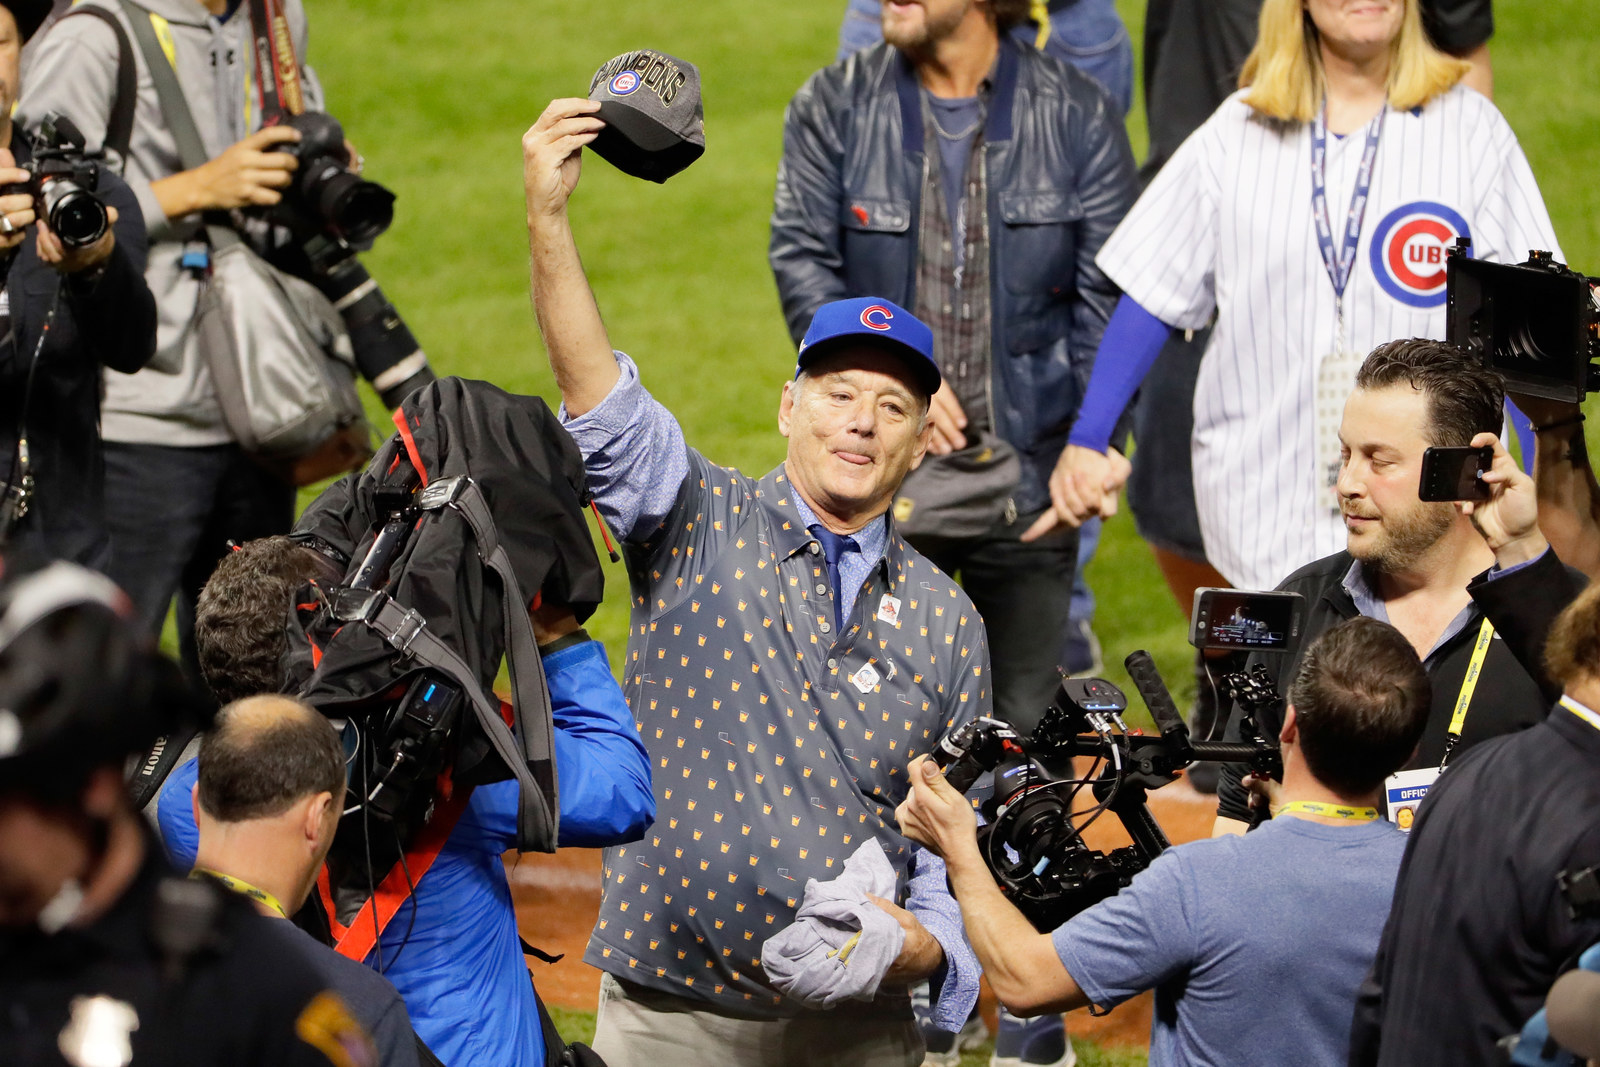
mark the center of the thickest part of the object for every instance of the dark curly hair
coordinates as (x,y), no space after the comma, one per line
(239,621)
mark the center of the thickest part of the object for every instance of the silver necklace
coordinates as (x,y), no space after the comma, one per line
(933,115)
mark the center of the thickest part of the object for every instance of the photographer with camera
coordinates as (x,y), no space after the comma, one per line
(1267,975)
(1483,919)
(452,948)
(179,482)
(1451,575)
(72,299)
(106,956)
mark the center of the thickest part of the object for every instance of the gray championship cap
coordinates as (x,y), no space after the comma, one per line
(650,102)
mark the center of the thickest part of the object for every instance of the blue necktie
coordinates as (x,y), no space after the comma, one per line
(834,546)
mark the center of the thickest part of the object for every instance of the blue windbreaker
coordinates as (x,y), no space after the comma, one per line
(457,960)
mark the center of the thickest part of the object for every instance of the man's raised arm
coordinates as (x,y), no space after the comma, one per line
(569,319)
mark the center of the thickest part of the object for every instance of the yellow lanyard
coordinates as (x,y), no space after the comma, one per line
(1588,715)
(1458,718)
(239,885)
(1332,811)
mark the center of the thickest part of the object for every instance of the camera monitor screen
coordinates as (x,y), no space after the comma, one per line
(1238,619)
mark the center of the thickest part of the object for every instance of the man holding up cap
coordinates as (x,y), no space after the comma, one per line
(788,652)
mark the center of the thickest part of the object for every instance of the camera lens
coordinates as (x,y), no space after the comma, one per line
(76,215)
(356,209)
(1538,340)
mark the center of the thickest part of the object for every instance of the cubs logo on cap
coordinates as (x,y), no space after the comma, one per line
(655,122)
(874,321)
(877,317)
(1410,249)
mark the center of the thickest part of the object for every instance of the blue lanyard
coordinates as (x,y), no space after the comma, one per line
(1339,267)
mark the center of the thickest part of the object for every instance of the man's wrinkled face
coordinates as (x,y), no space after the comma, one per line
(917,25)
(856,426)
(1382,438)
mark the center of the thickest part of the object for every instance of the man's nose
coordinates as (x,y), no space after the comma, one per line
(1348,484)
(864,419)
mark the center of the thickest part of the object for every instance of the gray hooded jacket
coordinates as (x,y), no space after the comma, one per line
(74,72)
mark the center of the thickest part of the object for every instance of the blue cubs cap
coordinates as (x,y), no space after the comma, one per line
(872,320)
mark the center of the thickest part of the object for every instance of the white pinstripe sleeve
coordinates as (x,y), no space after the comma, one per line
(1163,255)
(1512,218)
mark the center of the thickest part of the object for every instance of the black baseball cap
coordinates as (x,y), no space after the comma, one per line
(655,125)
(29,15)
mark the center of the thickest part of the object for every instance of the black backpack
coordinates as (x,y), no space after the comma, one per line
(467,516)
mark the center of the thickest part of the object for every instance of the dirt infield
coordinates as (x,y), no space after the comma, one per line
(557,898)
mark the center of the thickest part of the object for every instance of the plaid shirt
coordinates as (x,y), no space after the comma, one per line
(953,289)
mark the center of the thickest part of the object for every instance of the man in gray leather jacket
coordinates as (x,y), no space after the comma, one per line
(973,179)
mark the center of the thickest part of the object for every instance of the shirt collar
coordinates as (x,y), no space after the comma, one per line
(1368,602)
(779,494)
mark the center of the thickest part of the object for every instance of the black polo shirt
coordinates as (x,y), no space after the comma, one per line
(246,997)
(1479,929)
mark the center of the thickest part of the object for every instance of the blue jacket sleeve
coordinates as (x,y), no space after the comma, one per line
(1131,343)
(603,770)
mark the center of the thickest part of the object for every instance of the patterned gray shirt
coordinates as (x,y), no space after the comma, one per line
(776,746)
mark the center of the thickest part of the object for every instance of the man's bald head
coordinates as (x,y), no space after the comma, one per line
(264,755)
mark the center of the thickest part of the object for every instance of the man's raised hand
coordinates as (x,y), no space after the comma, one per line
(551,154)
(1509,519)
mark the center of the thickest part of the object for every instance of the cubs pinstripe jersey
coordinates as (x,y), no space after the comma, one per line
(1227,228)
(777,745)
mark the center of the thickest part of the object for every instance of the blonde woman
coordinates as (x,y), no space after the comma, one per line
(1349,115)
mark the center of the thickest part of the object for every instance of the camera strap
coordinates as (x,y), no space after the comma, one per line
(357,939)
(119,129)
(174,106)
(277,68)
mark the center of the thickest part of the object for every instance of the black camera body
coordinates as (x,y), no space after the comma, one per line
(1032,840)
(326,195)
(64,181)
(335,213)
(1537,323)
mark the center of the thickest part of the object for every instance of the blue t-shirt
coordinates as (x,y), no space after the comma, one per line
(1255,945)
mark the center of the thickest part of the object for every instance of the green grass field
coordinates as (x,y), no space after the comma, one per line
(437,96)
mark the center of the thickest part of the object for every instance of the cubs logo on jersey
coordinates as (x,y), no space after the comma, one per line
(1410,248)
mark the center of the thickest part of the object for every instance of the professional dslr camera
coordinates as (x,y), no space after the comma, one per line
(1537,323)
(335,213)
(63,180)
(1033,838)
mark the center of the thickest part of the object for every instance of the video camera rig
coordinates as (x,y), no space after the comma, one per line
(1033,839)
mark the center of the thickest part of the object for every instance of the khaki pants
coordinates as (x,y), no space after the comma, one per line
(639,1027)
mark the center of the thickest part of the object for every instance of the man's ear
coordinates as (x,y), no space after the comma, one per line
(786,407)
(923,439)
(194,802)
(1290,734)
(316,817)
